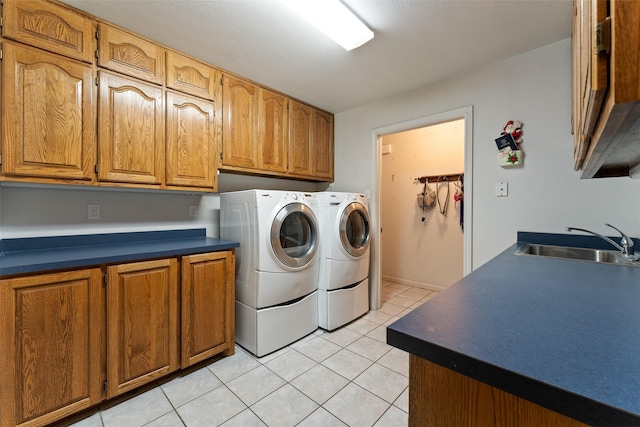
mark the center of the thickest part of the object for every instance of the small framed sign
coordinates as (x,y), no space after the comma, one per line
(506,141)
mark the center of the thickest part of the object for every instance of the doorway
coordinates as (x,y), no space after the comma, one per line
(464,115)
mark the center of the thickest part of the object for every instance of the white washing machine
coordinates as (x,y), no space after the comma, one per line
(343,284)
(276,265)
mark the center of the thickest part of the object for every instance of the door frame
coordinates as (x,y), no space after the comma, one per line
(465,113)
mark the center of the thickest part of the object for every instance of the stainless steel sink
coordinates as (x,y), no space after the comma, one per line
(566,252)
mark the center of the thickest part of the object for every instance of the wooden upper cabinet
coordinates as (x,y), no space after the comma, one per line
(130,131)
(273,131)
(255,127)
(142,323)
(50,110)
(606,107)
(266,132)
(300,139)
(51,335)
(590,69)
(310,142)
(208,300)
(190,76)
(191,147)
(49,26)
(128,54)
(323,145)
(240,123)
(48,115)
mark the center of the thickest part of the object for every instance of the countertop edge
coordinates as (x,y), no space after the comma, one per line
(538,392)
(110,252)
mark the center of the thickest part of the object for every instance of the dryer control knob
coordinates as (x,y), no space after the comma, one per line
(353,196)
(294,196)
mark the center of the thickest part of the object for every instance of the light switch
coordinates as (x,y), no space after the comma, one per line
(502,189)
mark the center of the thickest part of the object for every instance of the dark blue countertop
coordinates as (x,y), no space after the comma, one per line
(37,254)
(564,334)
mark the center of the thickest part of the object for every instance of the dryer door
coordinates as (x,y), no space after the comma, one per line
(354,229)
(294,235)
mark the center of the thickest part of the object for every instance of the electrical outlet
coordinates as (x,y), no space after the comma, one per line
(193,211)
(93,211)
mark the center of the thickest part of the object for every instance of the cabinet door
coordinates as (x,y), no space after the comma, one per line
(128,54)
(590,74)
(191,149)
(49,26)
(240,123)
(142,323)
(273,131)
(300,154)
(208,298)
(190,76)
(323,146)
(51,329)
(130,131)
(48,119)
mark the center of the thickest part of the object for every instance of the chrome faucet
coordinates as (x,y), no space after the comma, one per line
(625,246)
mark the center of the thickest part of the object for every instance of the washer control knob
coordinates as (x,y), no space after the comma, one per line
(294,196)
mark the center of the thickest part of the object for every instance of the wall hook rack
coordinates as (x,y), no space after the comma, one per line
(436,178)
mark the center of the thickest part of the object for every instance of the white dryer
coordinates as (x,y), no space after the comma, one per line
(343,285)
(276,265)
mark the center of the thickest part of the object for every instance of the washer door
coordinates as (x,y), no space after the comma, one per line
(294,235)
(354,229)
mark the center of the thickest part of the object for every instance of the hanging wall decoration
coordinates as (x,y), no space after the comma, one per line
(509,151)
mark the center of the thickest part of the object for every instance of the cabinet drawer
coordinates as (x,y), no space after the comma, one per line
(134,56)
(190,76)
(49,26)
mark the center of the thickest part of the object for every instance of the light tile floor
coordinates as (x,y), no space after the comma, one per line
(347,377)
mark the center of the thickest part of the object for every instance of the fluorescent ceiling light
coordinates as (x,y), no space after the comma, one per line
(334,19)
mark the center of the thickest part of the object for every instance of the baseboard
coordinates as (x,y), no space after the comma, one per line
(412,283)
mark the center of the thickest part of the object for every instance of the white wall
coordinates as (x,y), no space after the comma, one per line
(425,253)
(60,210)
(546,194)
(28,211)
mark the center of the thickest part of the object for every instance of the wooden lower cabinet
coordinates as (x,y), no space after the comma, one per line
(142,323)
(69,340)
(51,341)
(208,306)
(439,396)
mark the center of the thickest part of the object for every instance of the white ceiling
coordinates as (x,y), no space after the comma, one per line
(417,42)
